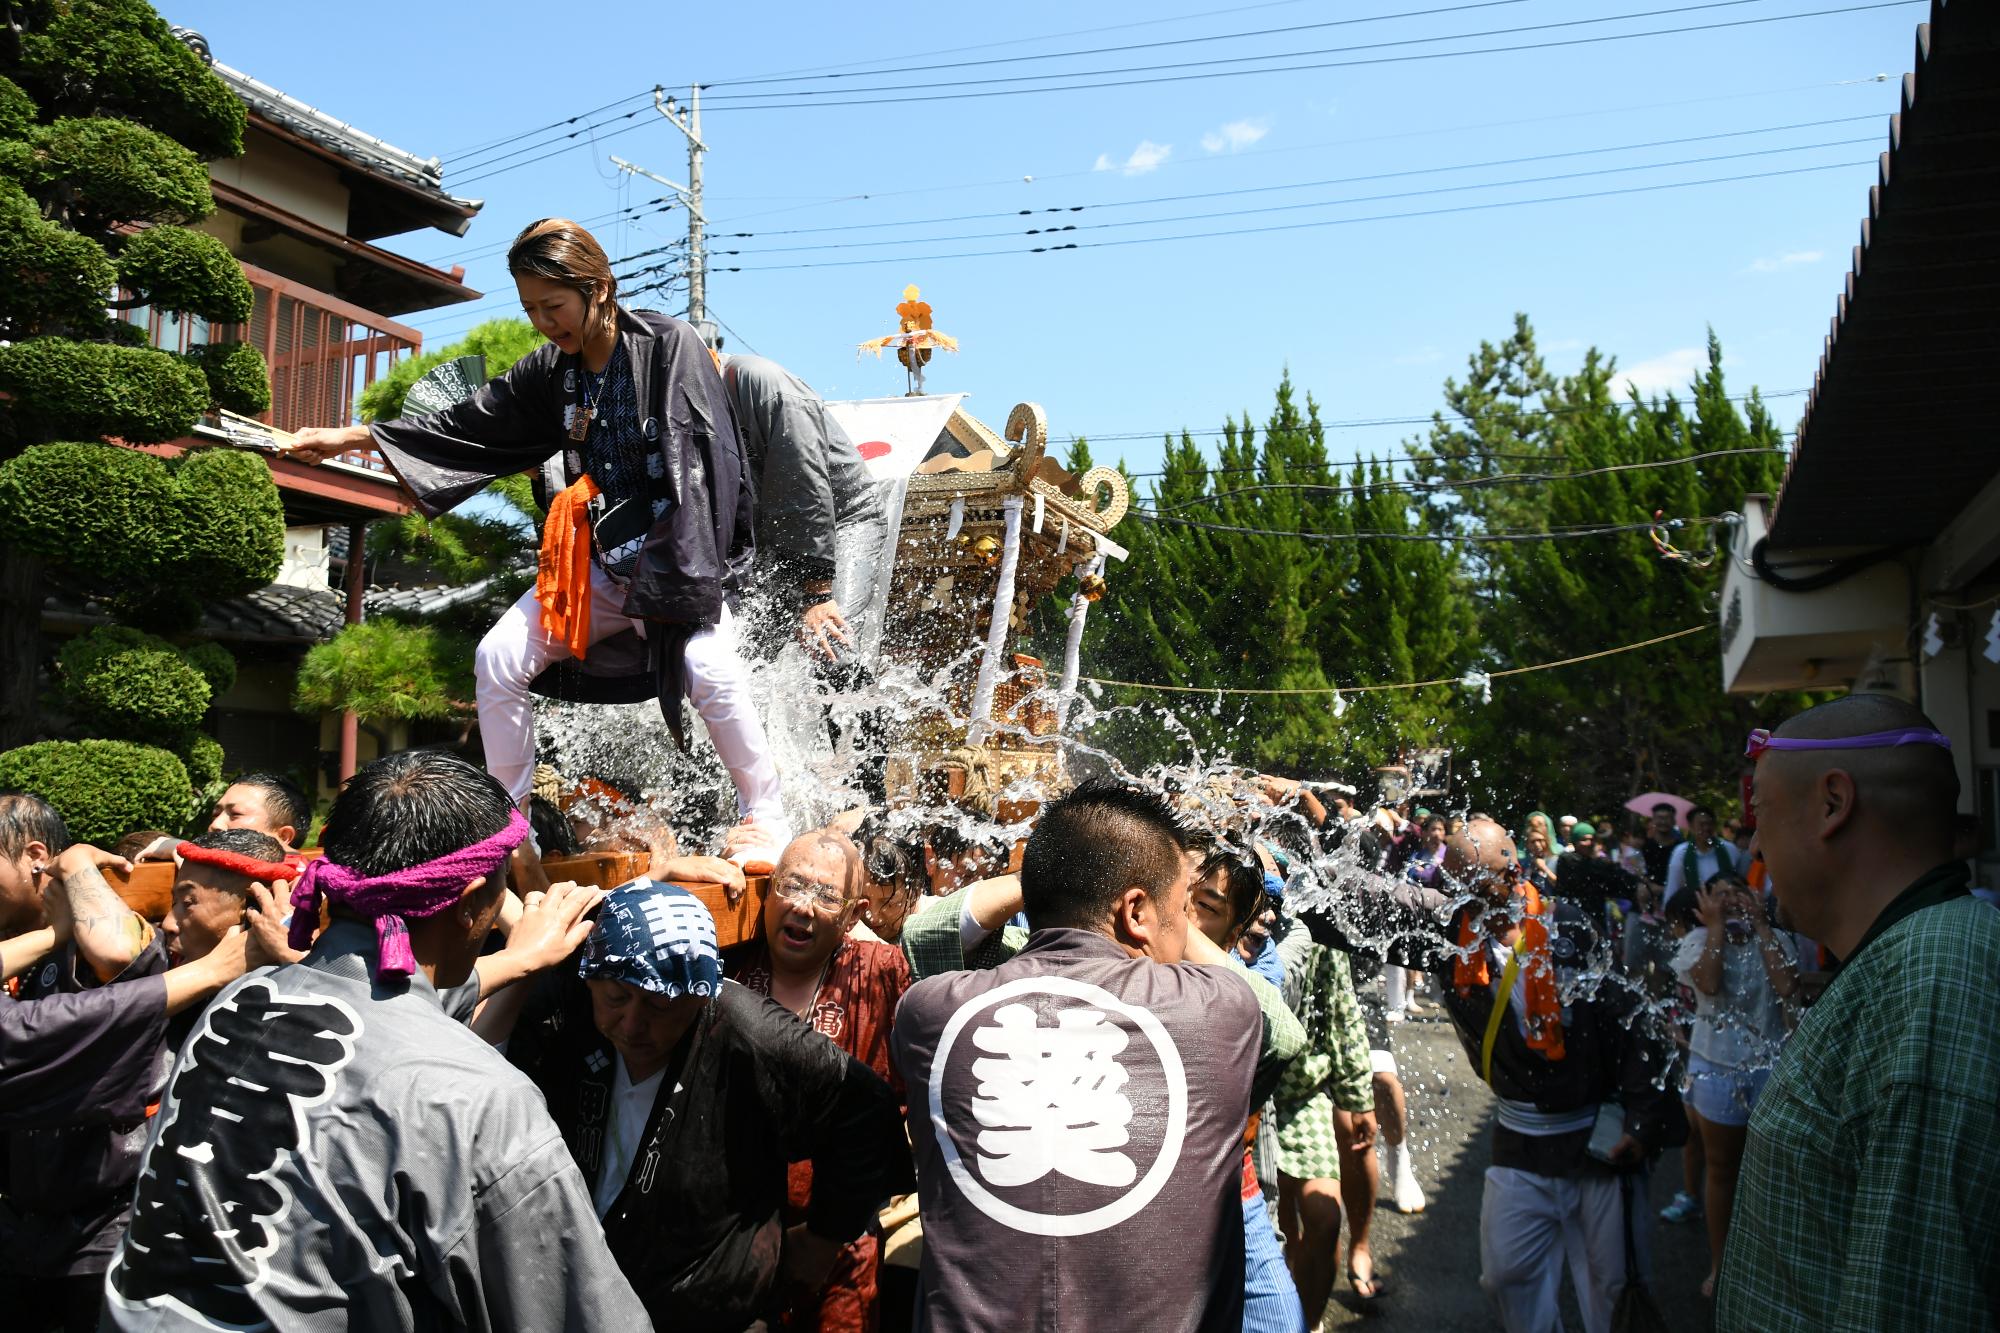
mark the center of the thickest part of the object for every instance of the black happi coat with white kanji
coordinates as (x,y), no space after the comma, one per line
(699,1225)
(698,550)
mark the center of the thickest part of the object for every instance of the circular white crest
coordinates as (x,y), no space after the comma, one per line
(1143,1191)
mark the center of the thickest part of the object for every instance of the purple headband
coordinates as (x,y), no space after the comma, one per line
(419,891)
(1762,740)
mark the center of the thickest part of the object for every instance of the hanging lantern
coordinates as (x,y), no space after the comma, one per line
(987,550)
(1093,587)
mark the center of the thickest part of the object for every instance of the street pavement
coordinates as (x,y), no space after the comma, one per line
(1429,1262)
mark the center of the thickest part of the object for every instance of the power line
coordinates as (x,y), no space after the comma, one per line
(457,153)
(1477,538)
(1301,226)
(1469,483)
(1203,40)
(1321,203)
(1295,185)
(845,97)
(486,169)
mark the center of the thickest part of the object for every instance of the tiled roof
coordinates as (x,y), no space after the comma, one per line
(279,613)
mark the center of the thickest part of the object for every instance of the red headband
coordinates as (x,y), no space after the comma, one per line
(248,866)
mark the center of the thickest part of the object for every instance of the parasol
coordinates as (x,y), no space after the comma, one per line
(1643,805)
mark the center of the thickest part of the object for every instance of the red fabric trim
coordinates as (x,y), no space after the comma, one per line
(248,866)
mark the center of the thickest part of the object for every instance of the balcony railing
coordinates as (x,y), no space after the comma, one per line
(321,351)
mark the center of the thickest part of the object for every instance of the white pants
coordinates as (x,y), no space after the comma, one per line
(1529,1224)
(517,649)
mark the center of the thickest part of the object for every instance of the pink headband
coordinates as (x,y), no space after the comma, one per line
(419,891)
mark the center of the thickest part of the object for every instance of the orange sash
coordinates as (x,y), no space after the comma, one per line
(562,573)
(1538,973)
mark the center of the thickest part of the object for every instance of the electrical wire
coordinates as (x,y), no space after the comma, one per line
(1439,538)
(842,97)
(457,153)
(1404,685)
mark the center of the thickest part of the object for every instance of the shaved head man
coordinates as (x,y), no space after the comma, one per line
(1869,1195)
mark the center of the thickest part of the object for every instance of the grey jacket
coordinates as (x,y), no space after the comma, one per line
(809,476)
(379,1167)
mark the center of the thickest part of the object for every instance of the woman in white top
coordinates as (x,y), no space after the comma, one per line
(1702,857)
(1742,973)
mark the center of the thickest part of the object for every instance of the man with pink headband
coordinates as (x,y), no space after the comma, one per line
(1869,1196)
(334,1150)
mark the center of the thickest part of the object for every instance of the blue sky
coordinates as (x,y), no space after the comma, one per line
(1134,339)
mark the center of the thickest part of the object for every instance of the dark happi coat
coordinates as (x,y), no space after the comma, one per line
(698,550)
(699,1226)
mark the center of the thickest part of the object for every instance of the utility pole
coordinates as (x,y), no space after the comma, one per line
(688,121)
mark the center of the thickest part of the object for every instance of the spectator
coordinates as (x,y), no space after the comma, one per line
(846,989)
(1579,1072)
(1538,822)
(1701,857)
(1742,974)
(1869,1195)
(894,882)
(1566,831)
(686,1099)
(1538,861)
(1662,836)
(377,1164)
(1588,880)
(1330,1077)
(1151,1015)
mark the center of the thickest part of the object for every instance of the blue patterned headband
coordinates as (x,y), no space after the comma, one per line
(656,937)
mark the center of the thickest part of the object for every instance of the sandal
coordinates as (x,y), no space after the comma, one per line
(1369,1288)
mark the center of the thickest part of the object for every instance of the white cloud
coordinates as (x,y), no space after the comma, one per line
(1146,157)
(1235,136)
(1674,371)
(1790,259)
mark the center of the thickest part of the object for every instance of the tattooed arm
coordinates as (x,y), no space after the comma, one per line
(83,908)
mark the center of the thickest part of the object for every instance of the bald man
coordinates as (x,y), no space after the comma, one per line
(1870,1191)
(1584,1097)
(847,988)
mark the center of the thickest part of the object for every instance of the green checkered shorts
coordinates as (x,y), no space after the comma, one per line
(1308,1147)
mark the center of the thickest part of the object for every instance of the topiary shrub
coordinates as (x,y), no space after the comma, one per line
(88,56)
(385,671)
(228,523)
(48,274)
(215,664)
(64,388)
(96,170)
(201,754)
(102,789)
(121,681)
(17,110)
(188,271)
(235,375)
(93,509)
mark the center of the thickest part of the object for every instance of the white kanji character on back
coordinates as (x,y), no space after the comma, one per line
(1052,1099)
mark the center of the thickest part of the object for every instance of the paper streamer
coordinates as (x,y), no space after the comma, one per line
(957,517)
(996,633)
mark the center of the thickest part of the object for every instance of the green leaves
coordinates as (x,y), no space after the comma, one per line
(387,671)
(60,387)
(102,789)
(501,341)
(96,172)
(186,271)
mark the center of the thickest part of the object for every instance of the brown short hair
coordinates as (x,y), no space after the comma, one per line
(560,251)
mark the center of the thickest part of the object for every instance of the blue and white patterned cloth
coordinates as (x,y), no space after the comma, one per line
(656,937)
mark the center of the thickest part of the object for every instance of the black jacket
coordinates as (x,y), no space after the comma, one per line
(698,552)
(699,1226)
(1613,1051)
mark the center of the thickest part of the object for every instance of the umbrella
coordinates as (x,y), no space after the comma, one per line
(1643,805)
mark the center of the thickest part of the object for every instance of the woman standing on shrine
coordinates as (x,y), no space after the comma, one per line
(625,422)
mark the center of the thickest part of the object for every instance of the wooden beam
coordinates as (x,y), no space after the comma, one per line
(1968,545)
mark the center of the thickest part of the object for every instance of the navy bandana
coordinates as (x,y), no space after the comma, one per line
(656,937)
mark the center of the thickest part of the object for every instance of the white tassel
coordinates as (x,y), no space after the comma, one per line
(957,517)
(1063,545)
(1040,501)
(996,633)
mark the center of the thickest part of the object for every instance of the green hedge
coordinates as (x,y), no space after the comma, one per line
(81,57)
(216,665)
(186,271)
(17,110)
(75,389)
(125,522)
(201,754)
(227,534)
(102,789)
(48,274)
(235,375)
(120,681)
(106,171)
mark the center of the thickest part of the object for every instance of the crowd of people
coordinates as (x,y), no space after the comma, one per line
(368,1085)
(390,1076)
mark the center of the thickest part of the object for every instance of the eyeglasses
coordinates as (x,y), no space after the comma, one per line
(804,893)
(1762,740)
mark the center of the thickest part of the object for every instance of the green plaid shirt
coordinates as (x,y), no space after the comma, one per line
(1320,985)
(932,944)
(1869,1197)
